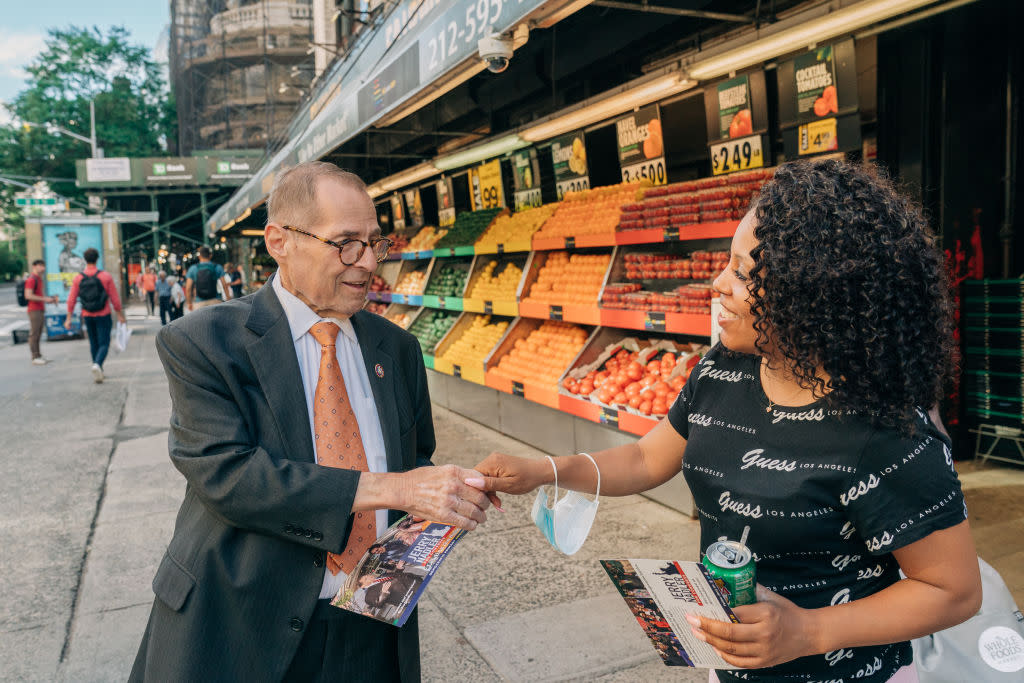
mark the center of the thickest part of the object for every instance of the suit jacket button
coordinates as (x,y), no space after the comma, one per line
(288,528)
(318,560)
(309,533)
(295,623)
(317,536)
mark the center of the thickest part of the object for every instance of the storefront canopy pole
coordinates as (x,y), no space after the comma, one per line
(659,9)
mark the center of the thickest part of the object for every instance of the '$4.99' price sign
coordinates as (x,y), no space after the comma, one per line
(737,155)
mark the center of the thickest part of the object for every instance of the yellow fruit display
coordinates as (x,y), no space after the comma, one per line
(412,282)
(542,356)
(516,227)
(476,341)
(426,238)
(501,287)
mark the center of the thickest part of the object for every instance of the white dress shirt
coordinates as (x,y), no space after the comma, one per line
(350,359)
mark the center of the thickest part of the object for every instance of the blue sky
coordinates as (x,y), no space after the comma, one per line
(23,26)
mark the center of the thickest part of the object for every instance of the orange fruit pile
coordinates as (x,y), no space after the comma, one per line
(566,279)
(590,212)
(543,355)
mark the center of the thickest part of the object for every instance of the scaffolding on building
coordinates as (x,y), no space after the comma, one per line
(239,69)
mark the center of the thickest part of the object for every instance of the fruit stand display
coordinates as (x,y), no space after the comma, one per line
(533,356)
(376,307)
(425,239)
(494,284)
(464,350)
(588,218)
(411,281)
(627,379)
(401,314)
(430,327)
(467,229)
(447,283)
(563,285)
(384,280)
(514,232)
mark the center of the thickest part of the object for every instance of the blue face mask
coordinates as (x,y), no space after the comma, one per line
(566,524)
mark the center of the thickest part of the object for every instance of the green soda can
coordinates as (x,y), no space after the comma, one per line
(731,564)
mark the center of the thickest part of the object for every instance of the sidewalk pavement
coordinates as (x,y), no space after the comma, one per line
(89,499)
(89,503)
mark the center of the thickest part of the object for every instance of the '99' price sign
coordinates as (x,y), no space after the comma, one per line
(737,155)
(492,195)
(653,170)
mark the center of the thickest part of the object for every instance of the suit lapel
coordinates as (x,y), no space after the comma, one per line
(273,358)
(380,369)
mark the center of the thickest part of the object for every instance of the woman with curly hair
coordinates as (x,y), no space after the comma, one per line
(808,423)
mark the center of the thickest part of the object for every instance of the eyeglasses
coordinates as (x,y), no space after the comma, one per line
(351,250)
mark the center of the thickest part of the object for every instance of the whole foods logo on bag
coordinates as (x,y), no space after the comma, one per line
(816,94)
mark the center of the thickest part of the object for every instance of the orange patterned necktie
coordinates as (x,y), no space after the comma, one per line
(338,443)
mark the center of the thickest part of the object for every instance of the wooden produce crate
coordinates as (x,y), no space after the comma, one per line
(455,301)
(475,372)
(388,271)
(406,267)
(584,314)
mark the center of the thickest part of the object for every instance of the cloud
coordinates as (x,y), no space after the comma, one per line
(18,49)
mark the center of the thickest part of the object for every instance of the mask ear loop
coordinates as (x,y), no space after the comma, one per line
(598,492)
(551,505)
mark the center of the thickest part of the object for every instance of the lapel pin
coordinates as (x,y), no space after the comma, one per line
(379,369)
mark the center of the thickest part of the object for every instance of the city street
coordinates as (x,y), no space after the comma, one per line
(88,505)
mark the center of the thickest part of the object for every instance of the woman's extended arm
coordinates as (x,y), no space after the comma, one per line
(625,470)
(942,589)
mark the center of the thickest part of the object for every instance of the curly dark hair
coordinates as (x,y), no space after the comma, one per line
(849,278)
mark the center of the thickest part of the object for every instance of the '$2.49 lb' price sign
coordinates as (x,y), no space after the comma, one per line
(737,155)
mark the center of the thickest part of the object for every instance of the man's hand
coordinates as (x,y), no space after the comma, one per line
(772,631)
(54,299)
(510,474)
(190,305)
(121,318)
(67,322)
(441,494)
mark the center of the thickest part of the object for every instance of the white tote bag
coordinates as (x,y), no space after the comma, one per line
(121,337)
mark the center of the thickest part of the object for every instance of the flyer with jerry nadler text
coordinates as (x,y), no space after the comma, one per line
(660,593)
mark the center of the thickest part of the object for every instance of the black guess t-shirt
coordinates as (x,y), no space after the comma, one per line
(827,496)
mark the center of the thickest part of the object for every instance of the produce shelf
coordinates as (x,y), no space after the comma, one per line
(657,321)
(695,231)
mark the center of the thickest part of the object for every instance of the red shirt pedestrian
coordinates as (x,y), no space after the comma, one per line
(108,285)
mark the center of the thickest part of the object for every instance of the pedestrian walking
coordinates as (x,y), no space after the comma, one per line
(234,275)
(98,294)
(35,293)
(163,294)
(201,281)
(289,481)
(149,289)
(177,298)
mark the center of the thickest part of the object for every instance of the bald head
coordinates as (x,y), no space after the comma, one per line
(293,198)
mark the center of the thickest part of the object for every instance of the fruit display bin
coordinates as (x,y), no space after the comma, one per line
(604,344)
(422,271)
(469,226)
(387,274)
(482,273)
(521,329)
(401,314)
(430,326)
(514,232)
(473,371)
(447,283)
(586,313)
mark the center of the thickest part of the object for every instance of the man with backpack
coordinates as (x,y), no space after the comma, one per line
(35,299)
(96,290)
(201,282)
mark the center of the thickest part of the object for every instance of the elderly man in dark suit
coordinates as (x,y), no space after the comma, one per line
(302,425)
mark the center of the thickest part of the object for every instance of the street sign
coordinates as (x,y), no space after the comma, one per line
(34,201)
(132,216)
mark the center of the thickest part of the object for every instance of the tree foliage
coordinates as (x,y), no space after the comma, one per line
(79,65)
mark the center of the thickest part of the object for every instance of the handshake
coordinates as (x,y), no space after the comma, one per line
(460,497)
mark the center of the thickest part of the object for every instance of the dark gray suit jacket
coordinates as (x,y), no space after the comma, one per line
(242,573)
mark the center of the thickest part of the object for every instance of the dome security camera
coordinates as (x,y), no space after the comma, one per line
(495,51)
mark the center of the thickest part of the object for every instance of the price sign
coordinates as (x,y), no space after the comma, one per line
(818,136)
(527,199)
(457,370)
(488,307)
(641,146)
(554,312)
(488,179)
(609,416)
(654,321)
(653,170)
(445,203)
(574,185)
(518,389)
(737,155)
